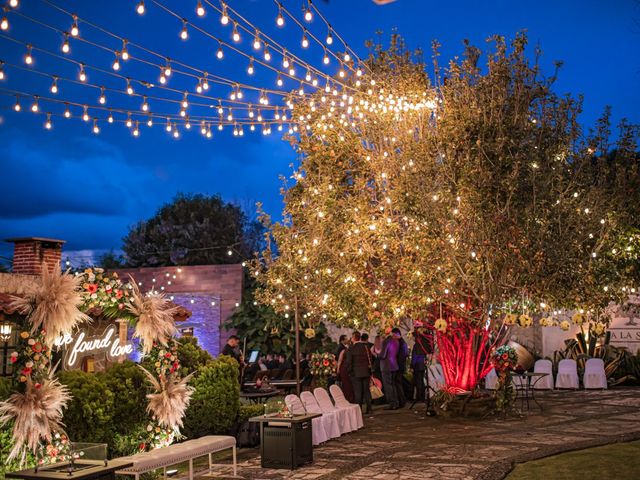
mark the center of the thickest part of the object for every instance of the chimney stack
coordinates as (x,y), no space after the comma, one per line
(30,254)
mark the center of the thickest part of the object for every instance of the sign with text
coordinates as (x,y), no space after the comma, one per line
(625,325)
(79,345)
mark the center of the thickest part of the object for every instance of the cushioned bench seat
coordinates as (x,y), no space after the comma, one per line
(178,453)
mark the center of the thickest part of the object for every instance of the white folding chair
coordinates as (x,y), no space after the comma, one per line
(330,420)
(327,406)
(543,366)
(340,401)
(594,375)
(318,432)
(567,374)
(436,378)
(491,380)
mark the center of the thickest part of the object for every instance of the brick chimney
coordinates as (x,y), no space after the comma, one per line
(30,254)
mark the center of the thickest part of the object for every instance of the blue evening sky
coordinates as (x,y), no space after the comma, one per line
(88,189)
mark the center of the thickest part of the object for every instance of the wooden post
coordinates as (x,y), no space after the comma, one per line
(297,321)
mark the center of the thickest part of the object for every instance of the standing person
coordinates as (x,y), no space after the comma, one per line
(342,344)
(364,336)
(389,369)
(403,354)
(232,349)
(358,364)
(343,374)
(418,360)
(376,349)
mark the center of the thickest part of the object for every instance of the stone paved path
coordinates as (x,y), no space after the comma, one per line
(406,445)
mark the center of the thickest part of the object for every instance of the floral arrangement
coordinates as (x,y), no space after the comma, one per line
(58,450)
(323,365)
(547,322)
(510,319)
(309,333)
(440,325)
(157,436)
(32,357)
(164,358)
(564,325)
(504,358)
(105,294)
(525,321)
(578,318)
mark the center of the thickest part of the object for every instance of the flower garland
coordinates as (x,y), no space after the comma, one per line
(105,294)
(323,365)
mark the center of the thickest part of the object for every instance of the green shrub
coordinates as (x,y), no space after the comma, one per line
(247,411)
(129,387)
(191,355)
(6,387)
(89,415)
(6,444)
(215,402)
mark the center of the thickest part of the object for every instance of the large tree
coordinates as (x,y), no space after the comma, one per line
(468,194)
(193,230)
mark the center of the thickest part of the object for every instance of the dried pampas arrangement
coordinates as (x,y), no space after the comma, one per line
(53,306)
(169,404)
(36,414)
(155,317)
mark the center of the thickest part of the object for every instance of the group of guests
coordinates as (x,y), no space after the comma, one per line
(386,359)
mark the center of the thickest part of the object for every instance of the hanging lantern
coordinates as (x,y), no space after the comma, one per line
(5,331)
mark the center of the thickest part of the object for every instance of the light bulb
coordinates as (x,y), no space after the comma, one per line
(17,107)
(96,130)
(347,57)
(280,19)
(162,79)
(305,41)
(185,103)
(176,133)
(251,114)
(140,8)
(256,43)
(279,81)
(145,105)
(124,53)
(325,59)
(74,29)
(129,122)
(129,88)
(184,34)
(220,53)
(200,9)
(54,86)
(82,76)
(28,59)
(65,44)
(116,64)
(267,55)
(85,114)
(205,82)
(308,16)
(167,70)
(136,130)
(35,107)
(235,35)
(329,39)
(13,3)
(250,68)
(307,77)
(110,118)
(103,98)
(48,125)
(67,112)
(285,62)
(224,18)
(4,23)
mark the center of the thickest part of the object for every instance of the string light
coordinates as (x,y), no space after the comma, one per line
(129,87)
(267,55)
(1,70)
(65,44)
(129,122)
(96,129)
(16,106)
(220,53)
(325,58)
(13,3)
(140,8)
(54,85)
(28,58)
(200,9)
(136,130)
(110,117)
(224,17)
(184,34)
(124,53)
(280,17)
(74,27)
(308,15)
(235,35)
(48,125)
(4,23)
(34,106)
(116,63)
(82,76)
(85,113)
(256,41)
(145,104)
(329,38)
(250,69)
(305,40)
(67,112)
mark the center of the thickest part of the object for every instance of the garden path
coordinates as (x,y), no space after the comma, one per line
(405,445)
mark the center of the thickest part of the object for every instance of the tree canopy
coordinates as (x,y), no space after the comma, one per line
(478,191)
(193,230)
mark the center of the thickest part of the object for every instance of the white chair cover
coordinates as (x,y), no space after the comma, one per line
(330,420)
(318,431)
(436,378)
(594,375)
(543,383)
(355,412)
(491,380)
(567,374)
(327,406)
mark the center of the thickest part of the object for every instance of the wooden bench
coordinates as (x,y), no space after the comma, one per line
(178,453)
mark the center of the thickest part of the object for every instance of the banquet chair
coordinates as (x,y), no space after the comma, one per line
(594,375)
(330,420)
(341,401)
(318,431)
(543,366)
(327,406)
(436,378)
(491,380)
(567,376)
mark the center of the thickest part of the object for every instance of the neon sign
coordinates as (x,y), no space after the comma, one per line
(80,345)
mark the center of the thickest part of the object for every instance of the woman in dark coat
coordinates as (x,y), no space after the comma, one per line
(343,375)
(358,364)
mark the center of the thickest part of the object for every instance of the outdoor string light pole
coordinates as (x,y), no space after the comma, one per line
(297,326)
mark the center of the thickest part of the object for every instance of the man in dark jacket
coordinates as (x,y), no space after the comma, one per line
(358,363)
(389,369)
(403,353)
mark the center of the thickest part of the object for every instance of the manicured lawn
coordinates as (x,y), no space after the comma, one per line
(620,461)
